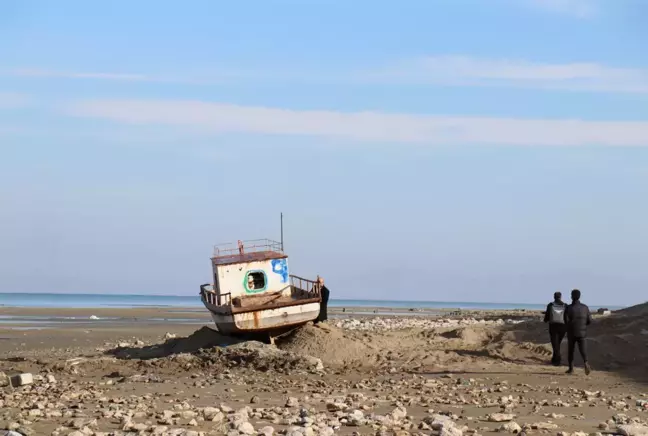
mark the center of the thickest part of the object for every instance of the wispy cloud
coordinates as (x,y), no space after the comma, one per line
(215,118)
(208,78)
(470,71)
(10,100)
(574,8)
(450,70)
(37,73)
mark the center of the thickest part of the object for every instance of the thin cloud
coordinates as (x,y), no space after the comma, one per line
(202,79)
(216,118)
(451,70)
(77,75)
(470,71)
(10,100)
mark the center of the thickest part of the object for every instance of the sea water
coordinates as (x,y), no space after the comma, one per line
(193,301)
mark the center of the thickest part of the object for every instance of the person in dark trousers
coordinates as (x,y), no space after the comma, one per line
(323,315)
(578,317)
(555,317)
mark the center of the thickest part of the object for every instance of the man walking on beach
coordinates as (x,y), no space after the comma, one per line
(578,317)
(324,292)
(555,316)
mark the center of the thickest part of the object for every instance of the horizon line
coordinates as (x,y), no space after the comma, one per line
(336,299)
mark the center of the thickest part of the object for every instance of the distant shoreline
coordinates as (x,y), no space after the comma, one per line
(39,318)
(138,301)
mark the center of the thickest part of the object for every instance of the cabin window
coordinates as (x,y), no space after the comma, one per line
(255,281)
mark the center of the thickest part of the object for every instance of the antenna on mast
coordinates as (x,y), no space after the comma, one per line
(282,245)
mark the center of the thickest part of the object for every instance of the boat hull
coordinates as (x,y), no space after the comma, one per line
(265,320)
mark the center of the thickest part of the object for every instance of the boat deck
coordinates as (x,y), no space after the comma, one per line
(267,300)
(263,302)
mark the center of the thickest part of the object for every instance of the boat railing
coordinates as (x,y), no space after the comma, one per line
(249,246)
(208,295)
(310,287)
(301,288)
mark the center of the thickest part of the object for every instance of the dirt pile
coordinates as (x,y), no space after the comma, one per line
(261,357)
(203,338)
(638,310)
(469,335)
(330,344)
(207,347)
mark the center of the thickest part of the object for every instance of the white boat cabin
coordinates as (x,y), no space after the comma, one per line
(257,269)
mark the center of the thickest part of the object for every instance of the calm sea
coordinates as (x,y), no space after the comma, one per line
(116,300)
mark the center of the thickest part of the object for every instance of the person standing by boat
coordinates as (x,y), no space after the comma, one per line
(555,317)
(324,292)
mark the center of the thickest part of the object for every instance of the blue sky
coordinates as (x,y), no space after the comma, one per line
(465,150)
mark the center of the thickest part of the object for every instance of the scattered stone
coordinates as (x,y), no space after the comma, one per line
(4,380)
(510,427)
(501,417)
(245,428)
(544,426)
(22,379)
(633,430)
(292,402)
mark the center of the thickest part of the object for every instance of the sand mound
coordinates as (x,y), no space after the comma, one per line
(207,347)
(304,348)
(520,352)
(638,310)
(261,357)
(615,341)
(328,343)
(468,335)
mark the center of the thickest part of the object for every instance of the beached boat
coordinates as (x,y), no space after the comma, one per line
(252,290)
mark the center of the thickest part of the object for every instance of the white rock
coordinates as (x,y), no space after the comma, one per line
(633,430)
(22,379)
(399,413)
(4,380)
(213,414)
(245,428)
(292,402)
(510,427)
(544,426)
(501,417)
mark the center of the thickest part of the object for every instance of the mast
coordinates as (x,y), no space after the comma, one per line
(282,244)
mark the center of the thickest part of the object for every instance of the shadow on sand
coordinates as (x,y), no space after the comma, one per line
(203,338)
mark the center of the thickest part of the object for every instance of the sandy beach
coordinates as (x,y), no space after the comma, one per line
(165,371)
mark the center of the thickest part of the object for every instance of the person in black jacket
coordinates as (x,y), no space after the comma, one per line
(578,317)
(555,316)
(323,315)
